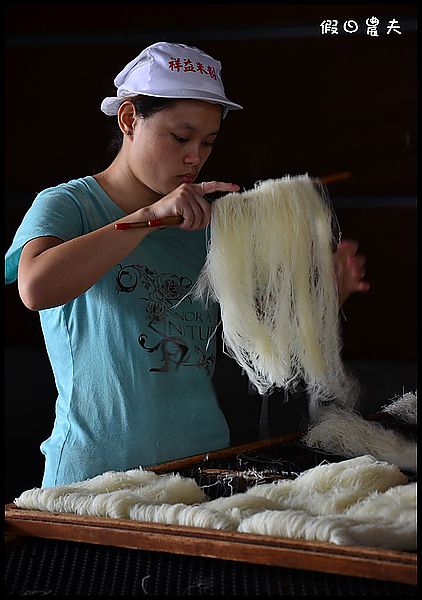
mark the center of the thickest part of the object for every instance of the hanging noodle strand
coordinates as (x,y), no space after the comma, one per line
(270,267)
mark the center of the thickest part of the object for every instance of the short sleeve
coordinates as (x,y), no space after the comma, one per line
(54,212)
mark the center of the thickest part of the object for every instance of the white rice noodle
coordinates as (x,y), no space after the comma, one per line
(298,524)
(393,512)
(398,504)
(346,433)
(116,480)
(51,499)
(332,488)
(239,506)
(337,529)
(85,499)
(180,514)
(360,501)
(381,519)
(242,501)
(404,408)
(270,266)
(380,534)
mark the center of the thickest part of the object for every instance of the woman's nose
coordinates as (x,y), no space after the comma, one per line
(193,157)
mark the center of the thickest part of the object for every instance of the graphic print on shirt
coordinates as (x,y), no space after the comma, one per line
(177,332)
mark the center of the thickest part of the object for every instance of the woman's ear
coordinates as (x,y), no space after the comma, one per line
(126,117)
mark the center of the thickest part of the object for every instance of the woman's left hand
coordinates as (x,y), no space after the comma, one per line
(350,270)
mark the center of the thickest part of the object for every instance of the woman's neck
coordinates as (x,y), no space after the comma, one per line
(124,189)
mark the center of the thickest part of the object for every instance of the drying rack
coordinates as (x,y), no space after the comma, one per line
(221,473)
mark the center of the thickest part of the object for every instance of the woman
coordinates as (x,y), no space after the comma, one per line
(128,345)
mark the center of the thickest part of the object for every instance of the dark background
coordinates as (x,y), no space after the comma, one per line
(313,103)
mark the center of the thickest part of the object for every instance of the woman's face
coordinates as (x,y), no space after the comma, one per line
(171,146)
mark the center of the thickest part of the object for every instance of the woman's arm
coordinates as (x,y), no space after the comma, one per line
(52,271)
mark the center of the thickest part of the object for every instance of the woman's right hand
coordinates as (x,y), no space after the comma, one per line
(187,201)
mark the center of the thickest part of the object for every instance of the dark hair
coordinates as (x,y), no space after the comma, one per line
(145,106)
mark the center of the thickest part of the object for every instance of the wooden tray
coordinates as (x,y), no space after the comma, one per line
(372,563)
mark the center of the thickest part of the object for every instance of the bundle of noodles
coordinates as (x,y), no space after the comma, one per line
(347,433)
(270,267)
(404,408)
(361,501)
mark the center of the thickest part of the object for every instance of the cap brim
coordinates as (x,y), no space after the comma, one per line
(110,105)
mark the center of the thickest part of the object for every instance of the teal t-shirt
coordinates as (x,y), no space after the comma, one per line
(132,357)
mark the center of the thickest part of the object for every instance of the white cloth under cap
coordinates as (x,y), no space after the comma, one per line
(167,70)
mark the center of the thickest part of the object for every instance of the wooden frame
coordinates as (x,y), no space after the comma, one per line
(372,563)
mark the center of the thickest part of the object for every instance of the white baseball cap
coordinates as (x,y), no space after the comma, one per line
(167,70)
